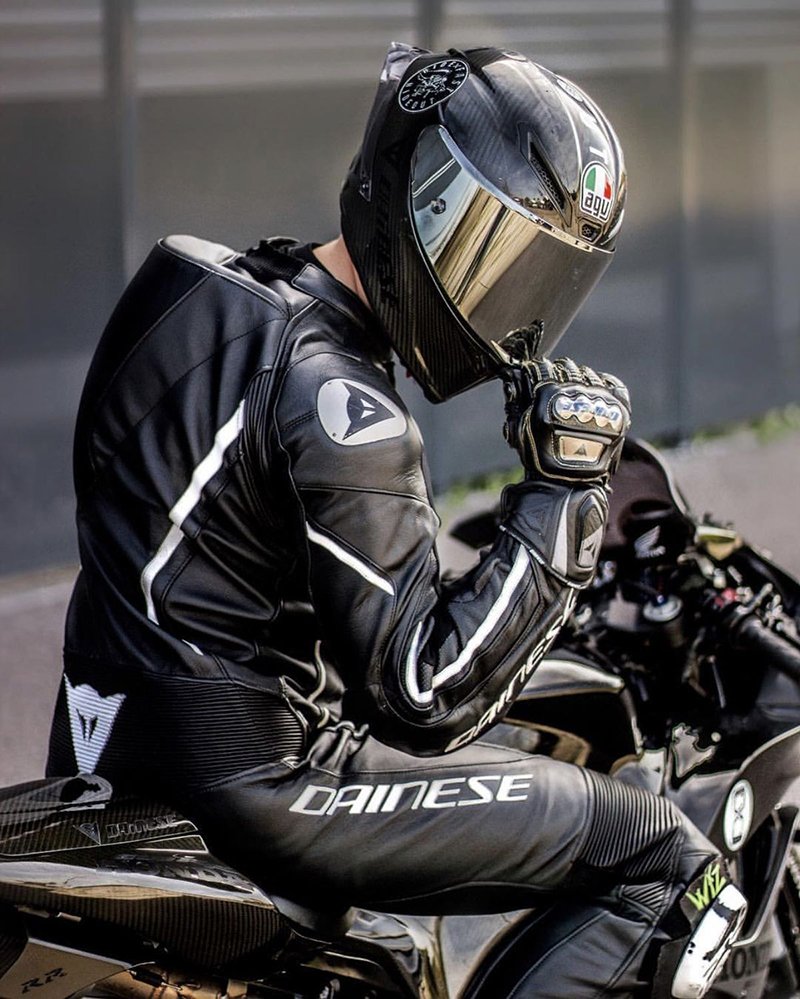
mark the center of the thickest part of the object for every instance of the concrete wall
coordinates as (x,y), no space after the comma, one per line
(246,115)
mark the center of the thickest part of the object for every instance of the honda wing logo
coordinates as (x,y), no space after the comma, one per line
(646,545)
(91,718)
(352,413)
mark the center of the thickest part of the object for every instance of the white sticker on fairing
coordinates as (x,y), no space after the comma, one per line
(738,815)
(352,413)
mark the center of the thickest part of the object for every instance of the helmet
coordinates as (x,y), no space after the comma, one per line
(481,209)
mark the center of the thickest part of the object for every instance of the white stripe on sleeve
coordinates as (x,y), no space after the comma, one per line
(425,697)
(346,558)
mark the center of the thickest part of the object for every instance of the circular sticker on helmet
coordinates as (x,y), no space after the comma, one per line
(738,815)
(431,85)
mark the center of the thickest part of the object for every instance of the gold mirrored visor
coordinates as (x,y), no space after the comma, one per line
(500,266)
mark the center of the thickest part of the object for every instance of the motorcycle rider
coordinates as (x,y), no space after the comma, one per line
(259,632)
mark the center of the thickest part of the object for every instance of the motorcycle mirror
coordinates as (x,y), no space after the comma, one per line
(718,542)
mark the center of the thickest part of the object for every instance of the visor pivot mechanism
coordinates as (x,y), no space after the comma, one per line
(521,344)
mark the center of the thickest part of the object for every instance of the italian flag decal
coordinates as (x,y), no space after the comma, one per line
(597,191)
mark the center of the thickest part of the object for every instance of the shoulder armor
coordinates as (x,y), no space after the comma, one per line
(221,260)
(200,251)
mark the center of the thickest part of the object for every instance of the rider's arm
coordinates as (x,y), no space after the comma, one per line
(435,664)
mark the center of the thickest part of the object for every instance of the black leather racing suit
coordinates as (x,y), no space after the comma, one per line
(260,603)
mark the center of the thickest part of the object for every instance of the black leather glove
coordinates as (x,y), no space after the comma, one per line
(567,422)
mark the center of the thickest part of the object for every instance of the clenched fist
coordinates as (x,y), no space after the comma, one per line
(566,421)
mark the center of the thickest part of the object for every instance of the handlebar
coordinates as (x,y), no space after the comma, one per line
(749,634)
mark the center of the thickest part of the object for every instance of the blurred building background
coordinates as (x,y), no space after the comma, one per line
(123,120)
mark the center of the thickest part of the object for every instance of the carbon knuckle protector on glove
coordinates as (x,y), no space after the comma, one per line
(575,423)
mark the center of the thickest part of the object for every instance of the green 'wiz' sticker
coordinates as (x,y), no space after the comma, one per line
(707,887)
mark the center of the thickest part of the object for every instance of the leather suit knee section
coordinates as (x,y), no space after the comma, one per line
(643,845)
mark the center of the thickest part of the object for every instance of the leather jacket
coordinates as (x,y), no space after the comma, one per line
(253,501)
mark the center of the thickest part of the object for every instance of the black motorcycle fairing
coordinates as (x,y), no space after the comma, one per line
(769,771)
(64,815)
(767,855)
(643,480)
(584,704)
(139,866)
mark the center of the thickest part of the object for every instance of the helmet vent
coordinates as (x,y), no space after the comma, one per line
(544,175)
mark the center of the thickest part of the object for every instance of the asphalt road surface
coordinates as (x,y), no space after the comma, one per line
(755,486)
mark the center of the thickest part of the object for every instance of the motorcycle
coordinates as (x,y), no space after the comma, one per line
(679,672)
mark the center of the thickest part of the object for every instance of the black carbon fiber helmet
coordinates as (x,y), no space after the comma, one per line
(486,198)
